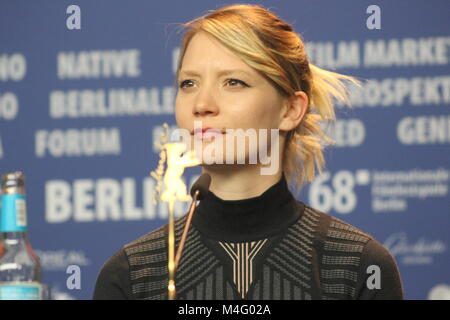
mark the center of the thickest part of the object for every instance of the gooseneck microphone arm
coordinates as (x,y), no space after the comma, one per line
(198,192)
(185,230)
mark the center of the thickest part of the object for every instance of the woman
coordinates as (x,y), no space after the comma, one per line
(242,67)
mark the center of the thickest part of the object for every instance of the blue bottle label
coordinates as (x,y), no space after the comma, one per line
(13,216)
(21,291)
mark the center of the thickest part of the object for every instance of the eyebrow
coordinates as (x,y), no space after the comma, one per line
(219,73)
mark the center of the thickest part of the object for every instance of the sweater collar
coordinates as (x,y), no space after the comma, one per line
(251,219)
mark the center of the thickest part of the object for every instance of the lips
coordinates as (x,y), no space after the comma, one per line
(203,133)
(209,130)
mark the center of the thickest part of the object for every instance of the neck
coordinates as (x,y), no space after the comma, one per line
(236,182)
(248,219)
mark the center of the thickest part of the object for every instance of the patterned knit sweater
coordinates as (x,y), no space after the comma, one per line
(268,247)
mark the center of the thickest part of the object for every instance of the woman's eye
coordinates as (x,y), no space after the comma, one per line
(184,82)
(232,82)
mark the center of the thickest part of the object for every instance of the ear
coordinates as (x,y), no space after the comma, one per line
(294,110)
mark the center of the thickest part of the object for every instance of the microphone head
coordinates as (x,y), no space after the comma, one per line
(202,185)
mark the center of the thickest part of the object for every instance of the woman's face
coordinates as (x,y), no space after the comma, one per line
(217,88)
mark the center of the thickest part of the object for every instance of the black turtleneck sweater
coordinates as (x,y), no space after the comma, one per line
(267,247)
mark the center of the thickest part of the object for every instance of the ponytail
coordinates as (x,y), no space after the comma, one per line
(305,144)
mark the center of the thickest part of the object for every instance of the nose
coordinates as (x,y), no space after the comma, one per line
(205,104)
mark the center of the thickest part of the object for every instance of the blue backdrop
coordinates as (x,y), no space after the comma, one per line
(84,91)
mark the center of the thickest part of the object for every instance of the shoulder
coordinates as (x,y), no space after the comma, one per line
(153,240)
(113,281)
(118,275)
(337,236)
(341,245)
(329,230)
(147,261)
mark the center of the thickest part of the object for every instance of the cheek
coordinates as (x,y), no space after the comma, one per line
(270,111)
(181,116)
(258,113)
(178,116)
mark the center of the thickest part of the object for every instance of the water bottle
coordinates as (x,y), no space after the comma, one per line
(20,270)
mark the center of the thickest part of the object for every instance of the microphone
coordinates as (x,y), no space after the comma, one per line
(202,185)
(199,191)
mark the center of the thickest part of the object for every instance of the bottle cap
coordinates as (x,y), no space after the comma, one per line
(13,180)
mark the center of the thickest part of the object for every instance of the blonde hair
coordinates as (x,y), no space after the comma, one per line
(271,46)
